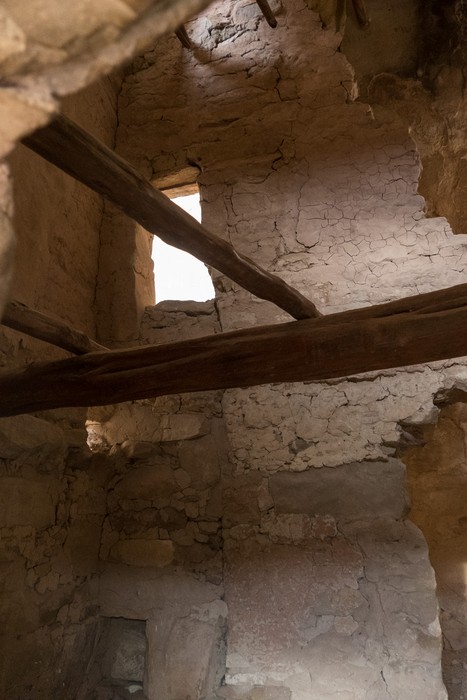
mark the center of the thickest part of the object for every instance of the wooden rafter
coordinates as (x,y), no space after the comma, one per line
(47,328)
(414,330)
(76,152)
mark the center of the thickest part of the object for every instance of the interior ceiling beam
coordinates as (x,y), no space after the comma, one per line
(50,329)
(76,152)
(409,331)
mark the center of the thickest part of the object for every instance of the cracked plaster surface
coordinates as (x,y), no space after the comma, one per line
(322,190)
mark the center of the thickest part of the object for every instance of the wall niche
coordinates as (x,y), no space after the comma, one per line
(118,663)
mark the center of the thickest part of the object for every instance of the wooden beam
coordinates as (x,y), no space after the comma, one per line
(265,8)
(410,331)
(47,328)
(183,37)
(66,145)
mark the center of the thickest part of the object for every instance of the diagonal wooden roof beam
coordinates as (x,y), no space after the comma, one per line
(50,329)
(76,152)
(409,331)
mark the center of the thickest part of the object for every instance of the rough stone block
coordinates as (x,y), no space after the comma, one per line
(26,502)
(354,491)
(199,458)
(29,440)
(138,552)
(151,483)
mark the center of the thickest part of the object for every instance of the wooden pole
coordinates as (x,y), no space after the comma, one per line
(183,37)
(267,12)
(361,13)
(47,328)
(66,145)
(410,331)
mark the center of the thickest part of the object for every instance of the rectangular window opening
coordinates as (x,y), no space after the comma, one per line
(179,276)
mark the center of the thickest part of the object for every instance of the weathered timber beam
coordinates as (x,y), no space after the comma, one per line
(66,145)
(265,8)
(47,328)
(410,331)
(183,37)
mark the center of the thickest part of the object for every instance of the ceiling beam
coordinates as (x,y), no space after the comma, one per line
(419,329)
(76,152)
(50,329)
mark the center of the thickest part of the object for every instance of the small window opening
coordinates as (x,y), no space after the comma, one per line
(177,274)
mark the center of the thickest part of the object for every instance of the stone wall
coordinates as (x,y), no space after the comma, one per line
(53,489)
(328,586)
(48,52)
(161,544)
(437,482)
(256,542)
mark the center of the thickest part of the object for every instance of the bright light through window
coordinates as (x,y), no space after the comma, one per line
(178,275)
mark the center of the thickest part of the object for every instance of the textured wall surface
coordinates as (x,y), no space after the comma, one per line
(256,541)
(53,489)
(329,588)
(438,484)
(47,51)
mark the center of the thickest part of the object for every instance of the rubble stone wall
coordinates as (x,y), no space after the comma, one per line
(437,482)
(328,585)
(53,490)
(259,535)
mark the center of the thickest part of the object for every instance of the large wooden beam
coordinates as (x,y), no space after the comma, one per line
(66,145)
(420,329)
(47,328)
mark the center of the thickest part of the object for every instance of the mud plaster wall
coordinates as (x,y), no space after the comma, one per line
(161,545)
(48,52)
(437,483)
(52,501)
(292,550)
(328,586)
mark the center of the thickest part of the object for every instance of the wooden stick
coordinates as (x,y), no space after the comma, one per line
(267,12)
(66,145)
(47,328)
(361,12)
(183,37)
(410,331)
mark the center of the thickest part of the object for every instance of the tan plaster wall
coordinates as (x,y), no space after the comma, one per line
(270,520)
(161,544)
(437,478)
(53,489)
(49,50)
(328,587)
(57,220)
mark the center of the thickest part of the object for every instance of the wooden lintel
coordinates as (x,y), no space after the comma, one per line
(76,152)
(265,8)
(47,328)
(410,331)
(183,37)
